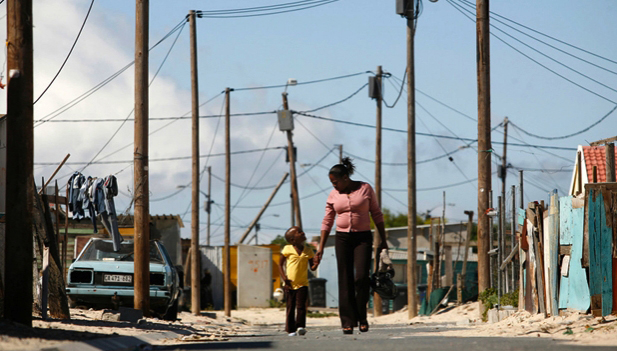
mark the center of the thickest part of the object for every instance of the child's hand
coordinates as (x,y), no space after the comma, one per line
(314,266)
(287,284)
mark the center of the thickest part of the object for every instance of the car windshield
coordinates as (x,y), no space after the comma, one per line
(102,250)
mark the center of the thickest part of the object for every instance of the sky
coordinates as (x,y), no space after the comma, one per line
(549,91)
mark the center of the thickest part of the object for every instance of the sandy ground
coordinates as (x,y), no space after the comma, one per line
(575,327)
(87,324)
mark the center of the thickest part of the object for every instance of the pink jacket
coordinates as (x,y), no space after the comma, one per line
(352,210)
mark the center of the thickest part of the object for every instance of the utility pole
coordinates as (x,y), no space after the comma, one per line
(227,251)
(195,258)
(502,174)
(521,287)
(610,162)
(484,140)
(491,240)
(140,159)
(513,238)
(19,164)
(209,204)
(521,201)
(295,198)
(412,281)
(340,153)
(499,250)
(377,303)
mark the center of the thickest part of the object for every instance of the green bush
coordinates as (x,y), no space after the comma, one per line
(276,303)
(489,299)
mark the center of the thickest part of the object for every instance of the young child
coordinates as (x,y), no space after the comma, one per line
(293,266)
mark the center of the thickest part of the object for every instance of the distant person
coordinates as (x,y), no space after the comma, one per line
(293,266)
(353,203)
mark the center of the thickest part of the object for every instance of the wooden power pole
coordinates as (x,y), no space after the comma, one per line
(195,258)
(610,162)
(377,310)
(140,159)
(412,281)
(227,251)
(295,197)
(209,204)
(484,140)
(18,295)
(502,243)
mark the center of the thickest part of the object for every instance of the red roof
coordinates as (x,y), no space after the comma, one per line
(595,156)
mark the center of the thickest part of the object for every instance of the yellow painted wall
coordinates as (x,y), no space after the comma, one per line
(276,256)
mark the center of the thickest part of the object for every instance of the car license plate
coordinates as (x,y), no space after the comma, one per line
(117,278)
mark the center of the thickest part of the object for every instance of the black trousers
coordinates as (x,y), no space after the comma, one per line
(353,260)
(296,299)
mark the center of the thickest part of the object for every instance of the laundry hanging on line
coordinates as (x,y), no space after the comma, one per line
(96,195)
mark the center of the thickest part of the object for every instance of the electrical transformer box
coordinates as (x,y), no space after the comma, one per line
(286,122)
(402,6)
(374,90)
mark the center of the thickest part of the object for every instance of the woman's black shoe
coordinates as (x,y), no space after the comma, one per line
(348,330)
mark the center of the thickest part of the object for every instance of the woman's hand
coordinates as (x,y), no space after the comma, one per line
(318,256)
(383,246)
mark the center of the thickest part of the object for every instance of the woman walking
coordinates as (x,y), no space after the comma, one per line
(353,203)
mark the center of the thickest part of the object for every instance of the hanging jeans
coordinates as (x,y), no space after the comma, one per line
(353,253)
(108,215)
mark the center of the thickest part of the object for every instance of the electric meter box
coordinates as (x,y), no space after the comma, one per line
(374,90)
(286,122)
(402,6)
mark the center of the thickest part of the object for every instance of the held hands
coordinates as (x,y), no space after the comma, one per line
(318,257)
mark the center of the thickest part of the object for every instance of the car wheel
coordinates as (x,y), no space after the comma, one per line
(172,312)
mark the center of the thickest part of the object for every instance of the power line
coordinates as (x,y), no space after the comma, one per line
(67,56)
(242,195)
(161,128)
(133,109)
(429,134)
(438,187)
(164,159)
(400,92)
(304,83)
(553,38)
(259,8)
(338,102)
(547,44)
(567,135)
(159,118)
(456,6)
(554,60)
(440,145)
(107,80)
(304,6)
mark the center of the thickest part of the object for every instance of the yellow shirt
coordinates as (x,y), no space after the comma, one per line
(297,265)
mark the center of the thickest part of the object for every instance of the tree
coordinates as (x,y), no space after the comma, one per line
(280,241)
(392,220)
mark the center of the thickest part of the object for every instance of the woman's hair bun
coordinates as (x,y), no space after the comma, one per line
(349,165)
